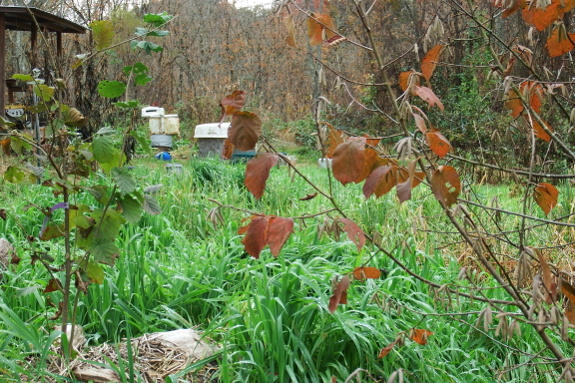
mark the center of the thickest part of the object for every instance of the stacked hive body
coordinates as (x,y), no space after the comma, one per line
(211,138)
(162,127)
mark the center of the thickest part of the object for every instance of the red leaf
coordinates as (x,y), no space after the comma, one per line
(546,197)
(420,336)
(354,233)
(446,185)
(53,285)
(233,103)
(386,350)
(429,62)
(360,273)
(420,123)
(428,96)
(308,197)
(438,143)
(245,130)
(339,293)
(559,45)
(403,189)
(372,161)
(278,231)
(379,182)
(348,160)
(258,172)
(227,150)
(255,238)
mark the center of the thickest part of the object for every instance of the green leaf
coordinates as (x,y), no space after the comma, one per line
(127,70)
(119,158)
(111,89)
(104,251)
(147,46)
(105,130)
(111,224)
(157,19)
(142,140)
(5,124)
(103,149)
(142,79)
(124,180)
(151,205)
(23,77)
(129,104)
(131,208)
(45,92)
(95,272)
(100,193)
(14,175)
(147,32)
(18,145)
(103,32)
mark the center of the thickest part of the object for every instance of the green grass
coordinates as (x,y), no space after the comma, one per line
(270,316)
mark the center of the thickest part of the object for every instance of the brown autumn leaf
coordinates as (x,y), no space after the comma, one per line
(370,141)
(258,172)
(53,285)
(348,160)
(372,161)
(404,79)
(339,295)
(255,238)
(379,182)
(445,185)
(228,149)
(550,285)
(420,336)
(420,123)
(317,31)
(361,273)
(569,291)
(335,139)
(513,103)
(232,103)
(58,313)
(514,7)
(5,143)
(558,45)
(290,25)
(430,60)
(404,188)
(546,197)
(245,130)
(278,231)
(354,233)
(510,65)
(428,96)
(438,143)
(308,197)
(3,214)
(386,350)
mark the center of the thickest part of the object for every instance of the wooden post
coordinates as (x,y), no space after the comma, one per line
(34,43)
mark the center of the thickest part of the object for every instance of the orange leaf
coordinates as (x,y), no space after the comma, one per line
(386,350)
(420,336)
(335,139)
(513,103)
(290,25)
(339,294)
(372,161)
(535,93)
(404,79)
(373,142)
(245,130)
(317,31)
(429,62)
(354,233)
(361,273)
(233,103)
(428,96)
(546,197)
(568,290)
(559,45)
(53,285)
(278,231)
(348,160)
(540,132)
(542,19)
(228,149)
(445,185)
(254,240)
(5,143)
(258,172)
(438,143)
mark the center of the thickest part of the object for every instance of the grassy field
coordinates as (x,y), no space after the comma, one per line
(270,316)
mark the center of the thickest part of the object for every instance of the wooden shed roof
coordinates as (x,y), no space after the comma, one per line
(19,19)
